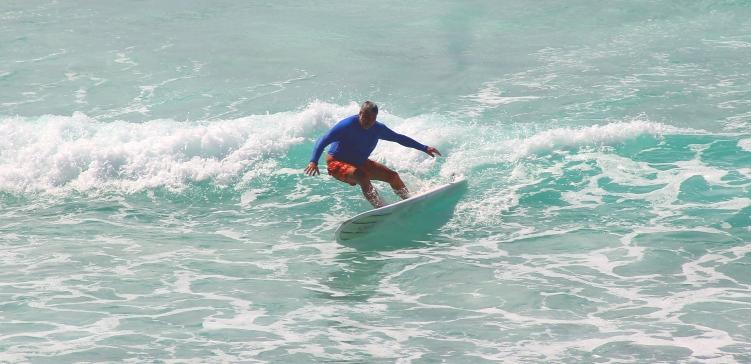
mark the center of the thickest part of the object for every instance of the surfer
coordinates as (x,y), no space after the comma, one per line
(352,140)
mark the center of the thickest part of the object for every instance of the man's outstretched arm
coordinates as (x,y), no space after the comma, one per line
(392,136)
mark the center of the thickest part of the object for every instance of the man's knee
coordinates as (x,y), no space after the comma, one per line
(360,176)
(392,177)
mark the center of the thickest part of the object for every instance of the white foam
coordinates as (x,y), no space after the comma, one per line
(122,58)
(45,57)
(497,200)
(247,198)
(61,153)
(490,97)
(230,234)
(745,144)
(594,135)
(739,122)
(666,184)
(80,95)
(733,44)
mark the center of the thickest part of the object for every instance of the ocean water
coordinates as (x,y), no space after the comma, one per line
(153,206)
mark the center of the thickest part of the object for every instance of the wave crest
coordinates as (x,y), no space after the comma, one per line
(59,153)
(593,135)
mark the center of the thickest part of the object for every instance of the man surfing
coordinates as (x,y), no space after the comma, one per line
(352,140)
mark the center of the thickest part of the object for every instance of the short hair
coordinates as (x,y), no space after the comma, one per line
(369,106)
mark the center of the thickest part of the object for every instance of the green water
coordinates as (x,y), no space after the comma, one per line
(153,206)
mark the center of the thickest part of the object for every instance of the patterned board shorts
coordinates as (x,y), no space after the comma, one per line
(345,172)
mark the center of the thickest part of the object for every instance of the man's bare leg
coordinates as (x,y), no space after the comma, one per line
(368,190)
(402,192)
(398,186)
(380,172)
(371,195)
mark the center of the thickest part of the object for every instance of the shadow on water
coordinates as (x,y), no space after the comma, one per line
(360,270)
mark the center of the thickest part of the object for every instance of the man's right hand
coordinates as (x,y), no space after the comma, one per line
(312,169)
(432,152)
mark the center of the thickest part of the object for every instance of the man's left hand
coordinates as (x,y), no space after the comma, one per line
(432,151)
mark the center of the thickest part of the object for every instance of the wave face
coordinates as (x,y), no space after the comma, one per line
(153,206)
(54,154)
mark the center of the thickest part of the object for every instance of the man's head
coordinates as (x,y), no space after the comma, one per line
(368,114)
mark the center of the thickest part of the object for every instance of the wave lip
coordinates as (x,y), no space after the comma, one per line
(594,135)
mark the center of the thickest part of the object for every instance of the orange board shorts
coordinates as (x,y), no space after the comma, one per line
(345,172)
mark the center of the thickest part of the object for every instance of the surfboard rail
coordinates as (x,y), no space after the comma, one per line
(363,223)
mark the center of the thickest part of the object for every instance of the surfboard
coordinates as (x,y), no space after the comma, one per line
(366,222)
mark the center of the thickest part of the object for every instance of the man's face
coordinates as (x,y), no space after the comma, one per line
(367,119)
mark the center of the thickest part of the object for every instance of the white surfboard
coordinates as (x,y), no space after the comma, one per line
(365,222)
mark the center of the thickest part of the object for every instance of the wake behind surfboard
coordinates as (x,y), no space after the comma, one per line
(369,221)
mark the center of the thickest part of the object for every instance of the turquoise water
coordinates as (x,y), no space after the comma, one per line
(153,206)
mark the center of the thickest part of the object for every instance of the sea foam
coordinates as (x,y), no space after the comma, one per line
(62,153)
(606,134)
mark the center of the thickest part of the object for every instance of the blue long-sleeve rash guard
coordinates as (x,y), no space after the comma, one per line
(352,144)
